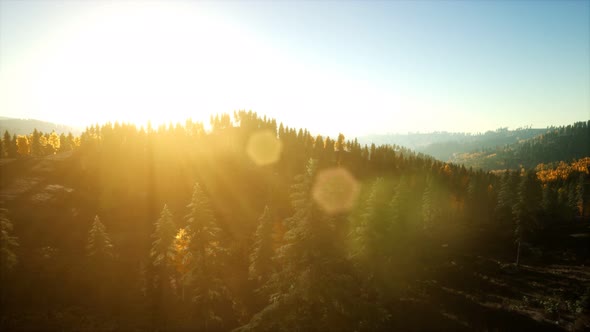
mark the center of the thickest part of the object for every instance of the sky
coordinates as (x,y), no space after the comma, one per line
(354,67)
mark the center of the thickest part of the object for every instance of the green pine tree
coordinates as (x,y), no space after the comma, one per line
(36,147)
(526,210)
(506,196)
(313,288)
(207,259)
(261,264)
(99,244)
(165,231)
(12,149)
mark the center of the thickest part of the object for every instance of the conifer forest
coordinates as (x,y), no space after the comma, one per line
(251,225)
(294,166)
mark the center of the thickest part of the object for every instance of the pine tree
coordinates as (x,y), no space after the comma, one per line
(527,209)
(5,143)
(8,242)
(12,148)
(207,257)
(371,233)
(312,289)
(399,205)
(506,196)
(430,210)
(165,231)
(62,143)
(99,245)
(261,257)
(36,147)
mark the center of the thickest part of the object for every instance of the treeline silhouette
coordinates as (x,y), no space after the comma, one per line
(180,227)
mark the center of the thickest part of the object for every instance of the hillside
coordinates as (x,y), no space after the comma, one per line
(26,126)
(254,226)
(564,143)
(444,145)
(499,149)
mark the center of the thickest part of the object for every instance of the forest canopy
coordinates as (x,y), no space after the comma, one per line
(253,225)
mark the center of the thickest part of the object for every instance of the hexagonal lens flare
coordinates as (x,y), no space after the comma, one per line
(335,190)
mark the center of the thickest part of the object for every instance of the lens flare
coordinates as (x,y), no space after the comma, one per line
(264,148)
(335,190)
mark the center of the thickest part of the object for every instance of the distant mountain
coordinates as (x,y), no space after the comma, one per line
(444,145)
(499,149)
(27,126)
(556,144)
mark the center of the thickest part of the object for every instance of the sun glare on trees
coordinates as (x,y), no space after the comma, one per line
(264,148)
(335,190)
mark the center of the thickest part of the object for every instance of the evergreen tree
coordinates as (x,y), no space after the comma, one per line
(162,258)
(5,144)
(99,251)
(99,245)
(261,257)
(527,209)
(8,242)
(313,289)
(399,205)
(62,143)
(549,203)
(430,208)
(12,148)
(506,196)
(207,257)
(36,147)
(165,231)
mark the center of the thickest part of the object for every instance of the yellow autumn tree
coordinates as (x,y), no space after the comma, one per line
(22,143)
(53,142)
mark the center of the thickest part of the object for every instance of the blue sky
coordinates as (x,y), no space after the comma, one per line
(355,67)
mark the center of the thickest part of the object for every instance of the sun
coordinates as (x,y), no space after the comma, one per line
(134,62)
(165,62)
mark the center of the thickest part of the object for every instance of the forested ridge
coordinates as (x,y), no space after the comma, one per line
(556,144)
(256,226)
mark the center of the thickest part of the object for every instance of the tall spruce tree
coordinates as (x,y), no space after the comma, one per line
(162,258)
(5,144)
(506,196)
(527,209)
(261,264)
(99,244)
(207,257)
(430,208)
(164,233)
(12,149)
(36,147)
(313,288)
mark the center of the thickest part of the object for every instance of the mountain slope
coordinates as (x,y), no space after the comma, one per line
(556,144)
(26,126)
(443,145)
